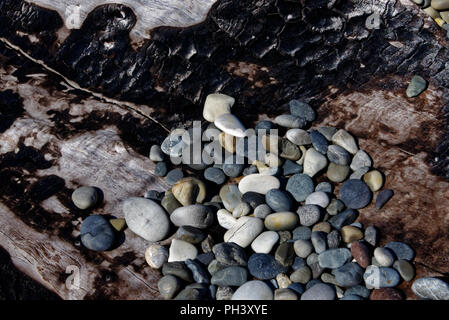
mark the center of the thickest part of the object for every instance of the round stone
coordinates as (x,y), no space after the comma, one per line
(215,175)
(258,183)
(349,275)
(217,104)
(338,155)
(303,248)
(314,162)
(281,221)
(231,196)
(334,258)
(333,239)
(320,291)
(309,214)
(319,142)
(190,234)
(156,153)
(431,288)
(232,168)
(265,266)
(196,215)
(299,137)
(300,186)
(174,176)
(344,139)
(384,257)
(302,109)
(337,173)
(156,255)
(324,187)
(418,84)
(289,121)
(230,124)
(405,269)
(301,275)
(387,294)
(262,211)
(381,277)
(85,197)
(383,197)
(146,218)
(402,250)
(319,241)
(355,194)
(181,251)
(189,190)
(253,290)
(245,230)
(225,219)
(318,198)
(97,233)
(374,180)
(360,160)
(231,276)
(230,254)
(350,234)
(169,286)
(241,210)
(265,242)
(361,253)
(160,169)
(278,200)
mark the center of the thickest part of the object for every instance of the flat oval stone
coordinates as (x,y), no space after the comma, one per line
(309,214)
(217,104)
(418,84)
(344,139)
(383,197)
(319,291)
(299,137)
(314,162)
(374,180)
(231,276)
(253,290)
(231,196)
(289,121)
(97,233)
(156,255)
(146,218)
(230,254)
(281,221)
(189,191)
(344,218)
(348,275)
(334,258)
(215,175)
(431,288)
(301,109)
(355,194)
(265,266)
(361,159)
(181,251)
(230,124)
(258,183)
(265,241)
(338,155)
(319,142)
(381,277)
(318,198)
(337,173)
(85,197)
(405,269)
(196,215)
(401,250)
(278,200)
(384,257)
(387,294)
(169,286)
(245,230)
(300,186)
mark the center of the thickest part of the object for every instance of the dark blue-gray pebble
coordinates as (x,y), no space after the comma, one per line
(231,168)
(355,194)
(289,167)
(160,169)
(302,109)
(154,195)
(319,142)
(205,258)
(97,233)
(278,200)
(359,290)
(319,241)
(324,186)
(302,233)
(264,266)
(383,197)
(298,263)
(334,258)
(297,287)
(402,250)
(343,218)
(351,274)
(254,199)
(231,276)
(312,282)
(300,186)
(215,175)
(174,176)
(250,170)
(200,275)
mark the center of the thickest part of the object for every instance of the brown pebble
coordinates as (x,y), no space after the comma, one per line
(387,294)
(361,254)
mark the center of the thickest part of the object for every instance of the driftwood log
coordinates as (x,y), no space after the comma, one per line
(83,107)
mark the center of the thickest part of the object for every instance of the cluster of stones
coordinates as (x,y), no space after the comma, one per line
(437,9)
(267,229)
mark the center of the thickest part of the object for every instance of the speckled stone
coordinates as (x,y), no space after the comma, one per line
(431,288)
(264,266)
(355,194)
(309,214)
(302,233)
(160,169)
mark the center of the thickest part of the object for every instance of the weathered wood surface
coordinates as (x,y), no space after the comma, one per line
(100,135)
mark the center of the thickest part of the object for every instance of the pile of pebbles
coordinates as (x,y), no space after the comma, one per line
(266,229)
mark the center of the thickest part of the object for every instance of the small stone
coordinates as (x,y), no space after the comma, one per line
(224,293)
(97,233)
(350,234)
(319,241)
(290,167)
(215,266)
(154,195)
(190,234)
(169,202)
(200,275)
(241,210)
(405,269)
(319,291)
(334,258)
(302,233)
(160,169)
(254,199)
(387,294)
(289,150)
(264,266)
(361,253)
(349,275)
(196,215)
(118,224)
(335,207)
(361,159)
(230,124)
(338,155)
(232,168)
(281,221)
(314,162)
(384,257)
(285,254)
(309,214)
(156,255)
(328,132)
(300,186)
(431,288)
(344,218)
(85,197)
(146,218)
(230,254)
(278,200)
(383,197)
(217,104)
(169,286)
(374,180)
(234,276)
(245,230)
(177,269)
(337,173)
(299,137)
(225,219)
(359,173)
(324,187)
(231,196)
(333,239)
(156,153)
(355,194)
(322,226)
(301,160)
(189,191)
(402,250)
(298,263)
(265,242)
(371,235)
(301,275)
(253,290)
(381,277)
(289,121)
(319,142)
(174,176)
(302,109)
(328,278)
(215,175)
(303,248)
(173,145)
(418,84)
(258,183)
(181,251)
(262,211)
(285,294)
(313,263)
(318,198)
(283,280)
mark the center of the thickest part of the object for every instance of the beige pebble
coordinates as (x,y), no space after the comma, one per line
(189,191)
(322,226)
(283,280)
(351,233)
(227,142)
(374,180)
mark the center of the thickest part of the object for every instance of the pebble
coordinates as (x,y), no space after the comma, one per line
(278,200)
(241,210)
(195,215)
(384,257)
(285,294)
(359,290)
(322,226)
(190,234)
(232,168)
(250,170)
(344,218)
(402,250)
(371,235)
(334,258)
(200,275)
(253,290)
(205,258)
(405,269)
(283,280)
(231,196)
(328,278)
(337,173)
(215,175)
(335,207)
(312,283)
(194,293)
(374,180)
(319,142)
(431,288)
(383,197)
(227,142)
(299,137)
(97,233)
(303,248)
(320,291)
(265,126)
(319,241)
(245,230)
(281,221)
(289,150)
(289,167)
(265,242)
(217,104)
(318,198)
(169,286)
(301,160)
(302,275)
(189,190)
(118,224)
(146,218)
(177,269)
(225,219)
(156,153)
(230,254)
(381,277)
(154,195)
(351,233)
(361,159)
(333,239)
(85,197)
(169,202)
(230,124)
(302,233)
(156,255)
(234,276)
(344,139)
(262,211)
(214,266)
(284,236)
(300,186)
(338,155)
(174,176)
(359,173)
(181,251)
(386,294)
(355,194)
(324,186)
(265,266)
(173,145)
(309,214)
(290,121)
(224,293)
(253,198)
(298,263)
(258,183)
(285,254)
(418,84)
(302,109)
(348,275)
(314,162)
(361,253)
